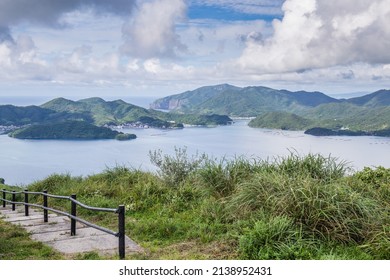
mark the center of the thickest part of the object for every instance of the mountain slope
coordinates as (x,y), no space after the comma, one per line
(281,120)
(14,115)
(101,111)
(241,102)
(190,98)
(375,99)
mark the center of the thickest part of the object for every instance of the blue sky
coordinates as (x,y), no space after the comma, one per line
(161,47)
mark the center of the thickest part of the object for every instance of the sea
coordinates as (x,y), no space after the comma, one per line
(25,161)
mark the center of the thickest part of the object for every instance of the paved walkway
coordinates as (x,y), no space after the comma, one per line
(56,233)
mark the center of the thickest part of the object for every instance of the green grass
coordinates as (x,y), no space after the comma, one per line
(15,244)
(195,207)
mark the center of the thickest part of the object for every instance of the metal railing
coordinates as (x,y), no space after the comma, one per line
(72,215)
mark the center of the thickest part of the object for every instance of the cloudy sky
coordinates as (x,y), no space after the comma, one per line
(161,47)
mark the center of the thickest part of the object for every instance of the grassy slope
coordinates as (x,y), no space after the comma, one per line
(197,208)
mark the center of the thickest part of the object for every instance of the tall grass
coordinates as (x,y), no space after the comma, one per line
(329,210)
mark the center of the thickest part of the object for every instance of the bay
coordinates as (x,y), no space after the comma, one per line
(25,161)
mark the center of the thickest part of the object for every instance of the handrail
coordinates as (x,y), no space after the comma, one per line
(74,202)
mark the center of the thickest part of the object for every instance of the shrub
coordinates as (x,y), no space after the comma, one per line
(175,169)
(2,181)
(375,177)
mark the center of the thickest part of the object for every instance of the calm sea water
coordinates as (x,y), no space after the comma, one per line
(24,161)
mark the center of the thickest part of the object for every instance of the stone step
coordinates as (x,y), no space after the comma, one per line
(56,233)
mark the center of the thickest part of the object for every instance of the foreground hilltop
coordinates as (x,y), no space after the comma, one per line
(198,207)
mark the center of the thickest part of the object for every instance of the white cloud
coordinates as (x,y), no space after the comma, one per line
(151,32)
(204,38)
(323,33)
(19,60)
(5,55)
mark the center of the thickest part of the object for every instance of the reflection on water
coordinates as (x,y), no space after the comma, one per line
(23,161)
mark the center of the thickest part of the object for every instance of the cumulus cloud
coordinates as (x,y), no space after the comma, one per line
(151,32)
(19,60)
(322,33)
(49,12)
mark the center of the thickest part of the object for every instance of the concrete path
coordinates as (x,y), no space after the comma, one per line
(56,233)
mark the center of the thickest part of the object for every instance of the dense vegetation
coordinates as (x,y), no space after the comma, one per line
(68,130)
(14,115)
(281,120)
(320,131)
(195,207)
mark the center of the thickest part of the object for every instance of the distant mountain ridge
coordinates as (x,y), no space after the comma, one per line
(99,112)
(375,99)
(190,98)
(240,102)
(285,109)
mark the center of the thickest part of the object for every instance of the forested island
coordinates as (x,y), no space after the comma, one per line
(69,130)
(320,131)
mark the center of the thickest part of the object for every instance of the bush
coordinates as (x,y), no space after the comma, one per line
(2,181)
(175,169)
(379,177)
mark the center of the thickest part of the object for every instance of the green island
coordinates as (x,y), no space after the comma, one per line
(69,130)
(296,207)
(320,131)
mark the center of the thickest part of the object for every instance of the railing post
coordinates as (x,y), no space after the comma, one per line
(4,203)
(26,201)
(45,214)
(13,200)
(73,213)
(121,228)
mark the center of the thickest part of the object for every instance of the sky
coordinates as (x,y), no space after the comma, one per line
(162,47)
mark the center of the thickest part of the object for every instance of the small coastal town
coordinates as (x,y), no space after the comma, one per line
(128,125)
(4,129)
